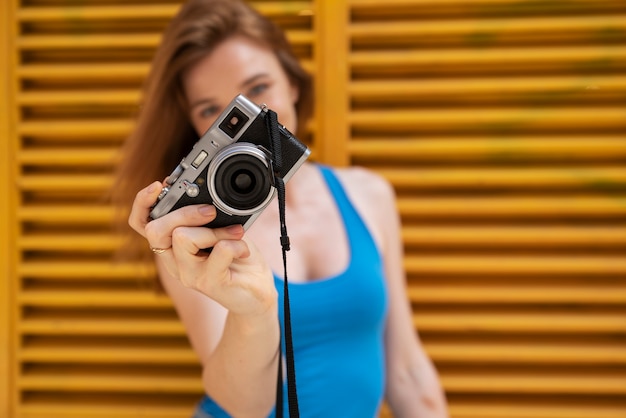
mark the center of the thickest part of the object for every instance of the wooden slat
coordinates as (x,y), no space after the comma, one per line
(531,91)
(67,214)
(518,294)
(108,41)
(503,265)
(492,150)
(145,11)
(528,353)
(93,326)
(601,178)
(80,270)
(522,208)
(522,323)
(492,32)
(494,121)
(102,298)
(108,355)
(517,237)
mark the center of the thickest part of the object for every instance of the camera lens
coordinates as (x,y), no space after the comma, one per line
(243,181)
(240,179)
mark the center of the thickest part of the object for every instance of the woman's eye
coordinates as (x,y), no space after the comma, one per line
(258,89)
(207,112)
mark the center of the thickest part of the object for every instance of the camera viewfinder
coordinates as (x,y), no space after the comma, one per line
(233,123)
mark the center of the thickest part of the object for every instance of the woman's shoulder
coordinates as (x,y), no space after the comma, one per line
(373,197)
(364,184)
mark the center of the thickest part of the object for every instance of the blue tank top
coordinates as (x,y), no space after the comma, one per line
(337,328)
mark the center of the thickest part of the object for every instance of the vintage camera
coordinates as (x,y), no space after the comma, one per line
(232,167)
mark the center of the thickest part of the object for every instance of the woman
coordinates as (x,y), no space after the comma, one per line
(353,336)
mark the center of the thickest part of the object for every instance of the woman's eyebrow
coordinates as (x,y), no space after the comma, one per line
(253,79)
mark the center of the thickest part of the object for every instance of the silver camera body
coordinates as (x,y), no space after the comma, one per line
(231,167)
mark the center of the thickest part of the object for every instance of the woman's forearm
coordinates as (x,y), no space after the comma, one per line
(240,375)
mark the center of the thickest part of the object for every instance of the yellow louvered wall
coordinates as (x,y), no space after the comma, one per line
(501,123)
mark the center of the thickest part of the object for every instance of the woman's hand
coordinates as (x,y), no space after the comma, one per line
(234,274)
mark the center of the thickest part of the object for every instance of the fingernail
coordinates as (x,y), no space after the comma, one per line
(152,188)
(206,210)
(234,229)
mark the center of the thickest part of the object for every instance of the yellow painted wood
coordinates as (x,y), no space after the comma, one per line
(492,32)
(332,82)
(547,354)
(530,91)
(589,207)
(7,232)
(484,149)
(531,324)
(517,237)
(500,123)
(592,295)
(148,40)
(504,265)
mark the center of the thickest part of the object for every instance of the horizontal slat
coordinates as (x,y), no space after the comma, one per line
(79,97)
(108,355)
(108,41)
(85,327)
(78,129)
(89,182)
(503,265)
(100,298)
(521,237)
(521,323)
(113,384)
(495,60)
(597,408)
(105,409)
(520,295)
(97,71)
(495,121)
(491,150)
(582,384)
(490,32)
(521,208)
(64,214)
(96,242)
(485,8)
(527,353)
(61,156)
(536,91)
(70,270)
(513,179)
(145,11)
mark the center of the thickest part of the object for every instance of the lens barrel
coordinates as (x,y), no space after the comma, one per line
(240,179)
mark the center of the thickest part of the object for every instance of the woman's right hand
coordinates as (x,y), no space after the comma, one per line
(234,274)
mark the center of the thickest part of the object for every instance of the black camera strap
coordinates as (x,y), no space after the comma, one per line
(292,396)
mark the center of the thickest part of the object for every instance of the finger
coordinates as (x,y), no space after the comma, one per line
(140,210)
(159,231)
(193,239)
(194,269)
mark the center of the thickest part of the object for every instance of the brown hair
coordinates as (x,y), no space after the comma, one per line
(163,133)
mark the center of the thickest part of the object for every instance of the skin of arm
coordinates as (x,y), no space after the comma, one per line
(412,385)
(226,300)
(238,353)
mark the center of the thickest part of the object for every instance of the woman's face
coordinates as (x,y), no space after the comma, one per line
(238,65)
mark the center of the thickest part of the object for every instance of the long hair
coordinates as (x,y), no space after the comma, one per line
(163,133)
